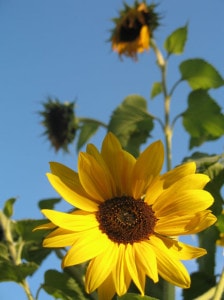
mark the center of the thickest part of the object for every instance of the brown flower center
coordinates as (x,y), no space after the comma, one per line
(126,220)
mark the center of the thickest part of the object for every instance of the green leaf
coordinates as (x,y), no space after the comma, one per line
(200,283)
(4,253)
(211,165)
(200,74)
(132,296)
(62,286)
(175,42)
(87,130)
(207,240)
(131,123)
(48,203)
(17,273)
(220,223)
(203,119)
(33,250)
(156,89)
(8,207)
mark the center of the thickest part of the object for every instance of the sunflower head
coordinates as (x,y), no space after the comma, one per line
(134,28)
(125,215)
(59,121)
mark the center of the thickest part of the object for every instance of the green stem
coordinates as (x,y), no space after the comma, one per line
(168,289)
(220,287)
(162,63)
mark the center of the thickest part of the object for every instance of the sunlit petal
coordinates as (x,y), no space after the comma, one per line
(73,222)
(169,267)
(71,196)
(184,224)
(188,202)
(146,257)
(147,168)
(100,267)
(94,178)
(87,245)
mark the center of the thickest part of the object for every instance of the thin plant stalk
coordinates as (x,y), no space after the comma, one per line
(168,288)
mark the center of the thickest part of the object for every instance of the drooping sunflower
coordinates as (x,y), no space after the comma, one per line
(59,122)
(134,29)
(126,217)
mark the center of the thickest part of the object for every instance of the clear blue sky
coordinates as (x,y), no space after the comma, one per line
(58,48)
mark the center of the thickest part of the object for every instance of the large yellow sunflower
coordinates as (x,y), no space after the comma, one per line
(126,213)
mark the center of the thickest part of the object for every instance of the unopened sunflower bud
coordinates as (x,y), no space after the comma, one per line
(59,121)
(134,29)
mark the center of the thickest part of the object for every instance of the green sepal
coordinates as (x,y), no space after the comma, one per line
(131,123)
(175,42)
(200,74)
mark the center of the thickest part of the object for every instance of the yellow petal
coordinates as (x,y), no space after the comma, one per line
(183,202)
(184,224)
(131,266)
(87,245)
(59,238)
(109,145)
(100,267)
(177,173)
(182,251)
(143,252)
(120,164)
(147,168)
(94,178)
(107,289)
(72,221)
(192,181)
(92,150)
(69,177)
(71,196)
(169,267)
(120,273)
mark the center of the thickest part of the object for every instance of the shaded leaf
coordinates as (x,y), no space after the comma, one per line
(175,42)
(200,74)
(17,273)
(207,240)
(86,132)
(200,283)
(203,119)
(33,250)
(131,123)
(48,203)
(156,89)
(62,286)
(4,254)
(203,160)
(132,296)
(8,207)
(220,223)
